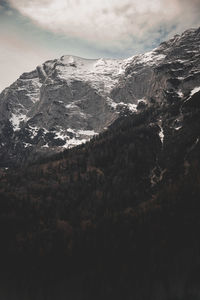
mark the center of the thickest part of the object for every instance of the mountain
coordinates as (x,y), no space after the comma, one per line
(66,101)
(113,218)
(117,217)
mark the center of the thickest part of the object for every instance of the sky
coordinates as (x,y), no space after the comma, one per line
(33,31)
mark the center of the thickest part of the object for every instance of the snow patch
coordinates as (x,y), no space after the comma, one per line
(132,107)
(150,58)
(27,145)
(61,135)
(180,94)
(45,146)
(74,142)
(197,140)
(194,91)
(34,130)
(181,61)
(71,130)
(77,137)
(16,119)
(177,128)
(70,105)
(87,132)
(161,133)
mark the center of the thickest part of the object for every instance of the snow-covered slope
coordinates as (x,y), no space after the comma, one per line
(102,74)
(66,101)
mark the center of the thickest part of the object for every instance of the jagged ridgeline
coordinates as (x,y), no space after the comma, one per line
(117,217)
(66,101)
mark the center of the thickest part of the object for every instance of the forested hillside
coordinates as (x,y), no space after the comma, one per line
(115,217)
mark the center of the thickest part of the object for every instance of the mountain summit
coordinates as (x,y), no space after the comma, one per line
(66,101)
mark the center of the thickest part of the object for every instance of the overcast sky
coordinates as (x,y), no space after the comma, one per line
(32,31)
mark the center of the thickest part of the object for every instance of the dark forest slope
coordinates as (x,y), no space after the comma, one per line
(116,218)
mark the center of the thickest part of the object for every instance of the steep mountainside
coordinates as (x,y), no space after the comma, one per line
(66,101)
(116,218)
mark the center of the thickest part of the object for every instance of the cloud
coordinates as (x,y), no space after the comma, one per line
(113,23)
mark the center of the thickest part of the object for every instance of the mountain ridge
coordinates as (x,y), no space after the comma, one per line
(66,101)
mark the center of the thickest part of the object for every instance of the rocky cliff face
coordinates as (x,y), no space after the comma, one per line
(172,67)
(66,101)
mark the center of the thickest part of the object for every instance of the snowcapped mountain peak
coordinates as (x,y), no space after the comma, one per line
(65,101)
(101,74)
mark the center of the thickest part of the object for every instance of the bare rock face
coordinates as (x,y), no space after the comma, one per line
(174,66)
(66,101)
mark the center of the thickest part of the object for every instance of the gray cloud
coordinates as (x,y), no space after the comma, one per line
(113,23)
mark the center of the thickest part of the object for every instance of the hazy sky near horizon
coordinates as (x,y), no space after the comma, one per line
(32,31)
